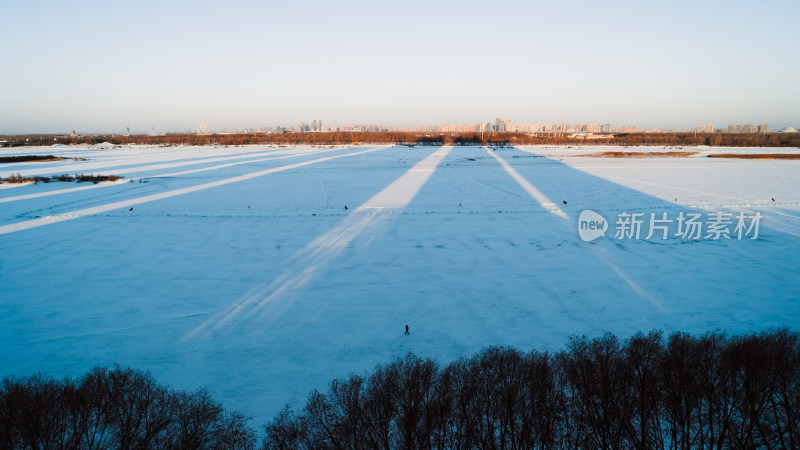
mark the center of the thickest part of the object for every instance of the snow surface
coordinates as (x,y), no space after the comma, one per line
(239,268)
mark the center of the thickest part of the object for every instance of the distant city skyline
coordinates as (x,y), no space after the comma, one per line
(170,66)
(499,125)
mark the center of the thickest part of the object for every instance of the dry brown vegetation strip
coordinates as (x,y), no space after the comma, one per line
(427,138)
(80,178)
(29,158)
(639,154)
(756,155)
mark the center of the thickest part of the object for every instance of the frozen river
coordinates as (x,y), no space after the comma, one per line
(263,272)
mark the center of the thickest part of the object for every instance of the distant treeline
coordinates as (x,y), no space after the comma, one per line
(679,392)
(404,138)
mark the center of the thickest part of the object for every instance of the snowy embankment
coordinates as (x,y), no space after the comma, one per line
(240,268)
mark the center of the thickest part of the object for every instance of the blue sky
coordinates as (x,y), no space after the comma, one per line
(169,66)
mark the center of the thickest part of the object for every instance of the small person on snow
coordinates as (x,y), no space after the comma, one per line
(407,330)
(345,207)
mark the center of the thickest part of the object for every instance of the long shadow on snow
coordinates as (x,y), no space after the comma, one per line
(474,260)
(152,183)
(731,284)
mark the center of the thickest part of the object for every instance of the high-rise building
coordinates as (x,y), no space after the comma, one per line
(591,128)
(763,128)
(735,128)
(706,129)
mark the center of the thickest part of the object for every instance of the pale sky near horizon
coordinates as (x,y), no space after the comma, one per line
(170,65)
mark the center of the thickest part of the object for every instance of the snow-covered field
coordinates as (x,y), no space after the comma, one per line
(240,268)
